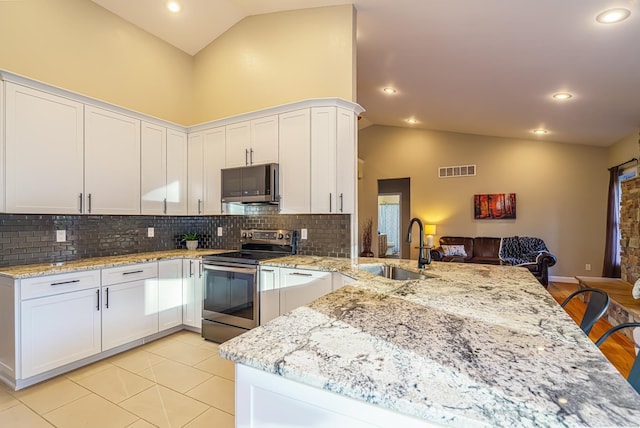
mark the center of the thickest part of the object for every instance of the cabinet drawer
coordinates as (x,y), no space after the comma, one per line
(295,277)
(129,273)
(57,284)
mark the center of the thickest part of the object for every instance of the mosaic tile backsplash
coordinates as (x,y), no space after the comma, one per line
(31,238)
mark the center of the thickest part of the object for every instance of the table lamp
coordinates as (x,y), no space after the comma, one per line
(429,231)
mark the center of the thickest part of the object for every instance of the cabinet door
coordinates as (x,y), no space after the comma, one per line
(112,162)
(294,169)
(129,312)
(269,286)
(264,140)
(44,152)
(153,168)
(323,160)
(192,293)
(176,172)
(59,329)
(339,280)
(169,294)
(214,159)
(346,161)
(299,287)
(195,174)
(238,143)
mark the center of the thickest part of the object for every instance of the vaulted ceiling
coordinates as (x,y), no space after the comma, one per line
(480,67)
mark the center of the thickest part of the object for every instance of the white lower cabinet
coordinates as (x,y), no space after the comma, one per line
(192,293)
(169,294)
(60,321)
(129,304)
(269,286)
(299,287)
(340,280)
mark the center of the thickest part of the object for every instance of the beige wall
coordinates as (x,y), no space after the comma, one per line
(274,59)
(624,150)
(262,61)
(79,46)
(561,188)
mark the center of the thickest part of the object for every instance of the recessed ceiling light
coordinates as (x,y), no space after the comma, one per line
(173,6)
(389,90)
(612,16)
(540,131)
(412,121)
(562,96)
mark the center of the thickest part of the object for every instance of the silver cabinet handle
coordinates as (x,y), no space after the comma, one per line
(106,301)
(132,272)
(251,157)
(165,205)
(65,282)
(330,197)
(199,210)
(341,203)
(246,156)
(267,270)
(200,270)
(190,268)
(98,300)
(301,274)
(81,203)
(89,203)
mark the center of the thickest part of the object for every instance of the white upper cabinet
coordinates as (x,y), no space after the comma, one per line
(333,160)
(195,173)
(295,162)
(252,142)
(214,160)
(176,172)
(112,162)
(206,159)
(44,152)
(164,170)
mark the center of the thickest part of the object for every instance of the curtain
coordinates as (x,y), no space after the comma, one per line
(611,267)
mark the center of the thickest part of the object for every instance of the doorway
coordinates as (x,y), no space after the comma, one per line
(394,202)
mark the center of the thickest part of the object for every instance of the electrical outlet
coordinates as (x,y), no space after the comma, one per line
(150,232)
(61,235)
(219,231)
(303,233)
(587,266)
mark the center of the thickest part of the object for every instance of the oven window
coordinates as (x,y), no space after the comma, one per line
(229,293)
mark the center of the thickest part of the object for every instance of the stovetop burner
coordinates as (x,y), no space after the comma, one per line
(258,245)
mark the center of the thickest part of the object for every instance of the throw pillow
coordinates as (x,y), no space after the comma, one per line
(454,250)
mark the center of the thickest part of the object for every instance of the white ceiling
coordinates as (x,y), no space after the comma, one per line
(479,67)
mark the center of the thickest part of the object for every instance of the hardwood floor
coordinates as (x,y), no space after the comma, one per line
(618,348)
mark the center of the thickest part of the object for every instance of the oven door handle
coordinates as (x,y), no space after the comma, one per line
(226,268)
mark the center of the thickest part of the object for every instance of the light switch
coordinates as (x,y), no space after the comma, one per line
(61,235)
(150,232)
(303,233)
(219,231)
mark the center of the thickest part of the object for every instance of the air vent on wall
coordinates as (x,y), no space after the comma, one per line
(456,171)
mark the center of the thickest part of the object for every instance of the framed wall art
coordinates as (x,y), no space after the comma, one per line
(494,206)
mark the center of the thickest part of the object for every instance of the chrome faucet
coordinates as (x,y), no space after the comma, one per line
(421,259)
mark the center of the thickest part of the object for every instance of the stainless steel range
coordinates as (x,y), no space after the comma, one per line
(231,302)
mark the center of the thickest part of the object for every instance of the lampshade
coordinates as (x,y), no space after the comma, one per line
(429,229)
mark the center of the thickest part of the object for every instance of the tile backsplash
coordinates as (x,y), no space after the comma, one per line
(29,238)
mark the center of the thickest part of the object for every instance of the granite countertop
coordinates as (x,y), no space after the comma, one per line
(476,345)
(40,269)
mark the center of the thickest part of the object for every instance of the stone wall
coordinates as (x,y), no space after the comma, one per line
(630,230)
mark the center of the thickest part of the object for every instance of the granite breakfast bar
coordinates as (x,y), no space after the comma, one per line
(471,345)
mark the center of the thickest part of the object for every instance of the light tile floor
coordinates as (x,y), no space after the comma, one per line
(177,381)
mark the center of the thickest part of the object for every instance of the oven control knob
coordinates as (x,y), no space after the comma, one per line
(287,236)
(244,234)
(250,235)
(280,236)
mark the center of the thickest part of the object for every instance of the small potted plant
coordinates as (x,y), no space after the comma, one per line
(191,240)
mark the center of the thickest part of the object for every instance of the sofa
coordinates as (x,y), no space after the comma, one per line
(528,252)
(476,250)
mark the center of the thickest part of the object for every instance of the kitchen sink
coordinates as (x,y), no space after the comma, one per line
(393,272)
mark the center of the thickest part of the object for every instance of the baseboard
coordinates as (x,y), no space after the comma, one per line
(569,279)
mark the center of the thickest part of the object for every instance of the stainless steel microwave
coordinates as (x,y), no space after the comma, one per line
(251,184)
